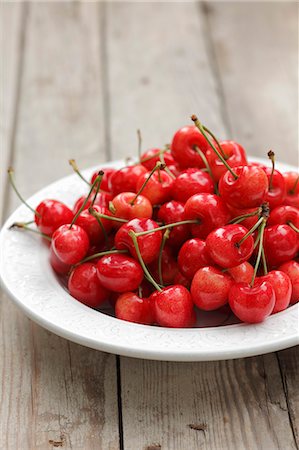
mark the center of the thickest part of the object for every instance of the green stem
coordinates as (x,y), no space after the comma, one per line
(98,178)
(239,219)
(167,170)
(145,269)
(158,166)
(164,240)
(10,172)
(148,158)
(25,227)
(99,255)
(264,262)
(165,227)
(203,130)
(98,219)
(208,168)
(292,191)
(293,227)
(75,168)
(250,231)
(105,216)
(258,259)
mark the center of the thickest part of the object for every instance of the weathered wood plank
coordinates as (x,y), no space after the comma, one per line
(55,392)
(256,50)
(158,75)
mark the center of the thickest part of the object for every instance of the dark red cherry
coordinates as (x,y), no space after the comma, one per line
(57,265)
(280,244)
(210,288)
(248,190)
(192,256)
(292,187)
(181,279)
(291,268)
(158,188)
(189,182)
(172,212)
(85,286)
(92,227)
(209,210)
(70,244)
(119,273)
(277,191)
(283,215)
(123,207)
(132,308)
(150,158)
(169,267)
(108,172)
(282,286)
(52,214)
(235,155)
(183,146)
(126,179)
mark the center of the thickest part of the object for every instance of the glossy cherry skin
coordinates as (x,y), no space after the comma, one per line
(154,155)
(252,304)
(85,286)
(183,147)
(132,308)
(242,273)
(173,307)
(125,179)
(149,244)
(102,199)
(249,222)
(192,256)
(282,286)
(283,215)
(169,267)
(248,190)
(280,244)
(189,182)
(90,224)
(292,197)
(209,210)
(181,279)
(141,208)
(172,212)
(223,248)
(159,187)
(210,288)
(53,214)
(277,193)
(119,273)
(57,265)
(291,268)
(70,244)
(108,172)
(235,155)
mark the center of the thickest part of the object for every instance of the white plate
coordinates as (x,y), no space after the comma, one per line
(31,283)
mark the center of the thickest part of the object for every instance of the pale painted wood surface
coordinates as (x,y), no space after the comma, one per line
(89,75)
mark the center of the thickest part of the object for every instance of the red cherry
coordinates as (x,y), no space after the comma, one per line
(277,191)
(57,265)
(280,244)
(149,244)
(123,208)
(181,279)
(169,267)
(224,248)
(172,212)
(70,244)
(210,288)
(85,286)
(125,179)
(242,273)
(192,256)
(108,172)
(152,156)
(183,146)
(92,227)
(119,273)
(132,308)
(52,214)
(190,182)
(283,215)
(292,187)
(248,190)
(173,306)
(235,155)
(282,286)
(210,210)
(291,268)
(102,199)
(158,188)
(252,304)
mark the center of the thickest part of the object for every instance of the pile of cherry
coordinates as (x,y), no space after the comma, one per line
(193,225)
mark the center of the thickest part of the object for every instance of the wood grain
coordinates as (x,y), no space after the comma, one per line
(53,392)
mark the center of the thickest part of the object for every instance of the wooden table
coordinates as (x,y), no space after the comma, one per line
(78,79)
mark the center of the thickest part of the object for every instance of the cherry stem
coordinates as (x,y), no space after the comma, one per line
(208,168)
(164,240)
(264,261)
(105,216)
(239,219)
(97,180)
(158,166)
(204,132)
(292,191)
(99,220)
(100,177)
(140,293)
(260,250)
(293,227)
(10,172)
(165,227)
(258,223)
(139,139)
(148,158)
(98,255)
(75,168)
(145,269)
(271,156)
(167,170)
(25,227)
